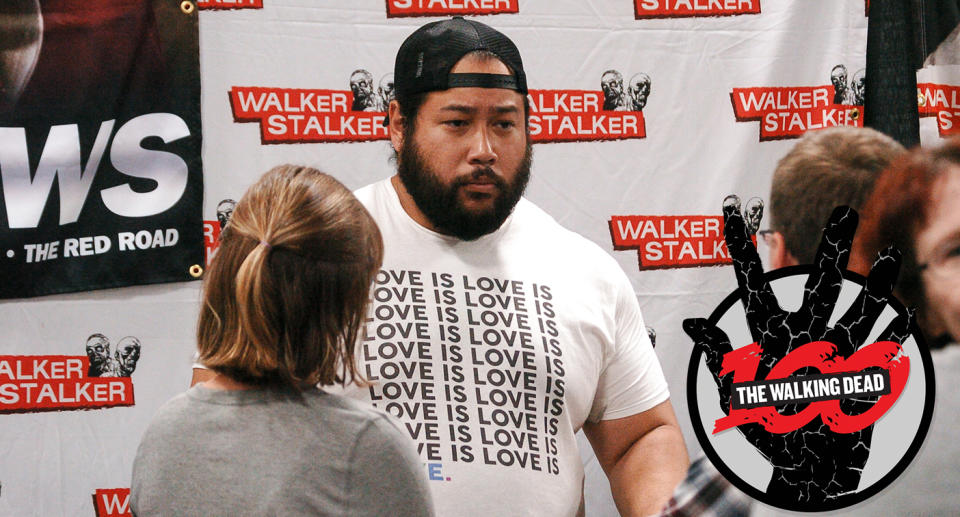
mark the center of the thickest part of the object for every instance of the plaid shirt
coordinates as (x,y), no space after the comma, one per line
(705,492)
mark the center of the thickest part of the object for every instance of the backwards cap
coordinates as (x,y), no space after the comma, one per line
(426,57)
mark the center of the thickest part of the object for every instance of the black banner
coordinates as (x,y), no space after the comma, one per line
(102,181)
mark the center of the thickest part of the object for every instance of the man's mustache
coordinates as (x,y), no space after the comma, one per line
(481,174)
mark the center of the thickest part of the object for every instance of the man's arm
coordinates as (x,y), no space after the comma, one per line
(643,456)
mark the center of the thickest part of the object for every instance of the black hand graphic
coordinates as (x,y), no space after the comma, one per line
(812,464)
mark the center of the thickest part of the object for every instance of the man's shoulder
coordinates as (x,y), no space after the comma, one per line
(545,232)
(369,193)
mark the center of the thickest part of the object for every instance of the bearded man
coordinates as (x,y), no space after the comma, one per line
(522,332)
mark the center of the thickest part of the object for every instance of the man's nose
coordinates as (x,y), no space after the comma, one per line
(481,147)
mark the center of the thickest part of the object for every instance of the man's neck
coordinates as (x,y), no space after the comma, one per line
(410,206)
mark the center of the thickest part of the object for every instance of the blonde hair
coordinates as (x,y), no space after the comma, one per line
(287,291)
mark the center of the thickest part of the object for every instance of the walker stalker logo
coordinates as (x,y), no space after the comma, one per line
(401,8)
(576,116)
(112,502)
(613,113)
(671,241)
(795,390)
(290,115)
(678,241)
(229,4)
(689,8)
(301,116)
(941,101)
(788,112)
(58,383)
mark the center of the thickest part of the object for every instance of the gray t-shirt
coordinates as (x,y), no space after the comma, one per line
(274,452)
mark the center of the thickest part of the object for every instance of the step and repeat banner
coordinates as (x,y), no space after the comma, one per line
(645,115)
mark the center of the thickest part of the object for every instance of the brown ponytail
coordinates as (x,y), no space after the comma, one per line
(286,294)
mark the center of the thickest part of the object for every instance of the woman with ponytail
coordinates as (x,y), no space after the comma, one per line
(283,302)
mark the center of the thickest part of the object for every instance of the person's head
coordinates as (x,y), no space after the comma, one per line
(98,351)
(639,90)
(825,169)
(224,211)
(287,291)
(838,76)
(459,127)
(127,355)
(914,207)
(361,84)
(611,83)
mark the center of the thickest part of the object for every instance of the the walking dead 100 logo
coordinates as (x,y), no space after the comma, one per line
(817,390)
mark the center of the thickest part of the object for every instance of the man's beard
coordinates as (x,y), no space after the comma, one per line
(440,203)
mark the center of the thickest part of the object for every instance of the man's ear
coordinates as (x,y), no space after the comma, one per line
(396,126)
(931,321)
(779,256)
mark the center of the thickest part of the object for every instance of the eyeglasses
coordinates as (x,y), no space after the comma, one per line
(945,261)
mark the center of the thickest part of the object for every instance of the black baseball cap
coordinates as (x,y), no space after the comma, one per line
(426,57)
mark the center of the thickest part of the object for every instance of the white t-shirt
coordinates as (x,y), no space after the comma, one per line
(494,352)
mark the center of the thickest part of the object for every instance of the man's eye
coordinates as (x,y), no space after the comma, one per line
(455,123)
(505,124)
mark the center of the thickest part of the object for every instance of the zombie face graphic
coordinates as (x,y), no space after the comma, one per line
(611,82)
(386,91)
(858,85)
(752,214)
(639,90)
(98,350)
(127,355)
(224,211)
(361,84)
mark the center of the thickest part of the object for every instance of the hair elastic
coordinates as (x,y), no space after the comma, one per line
(265,244)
